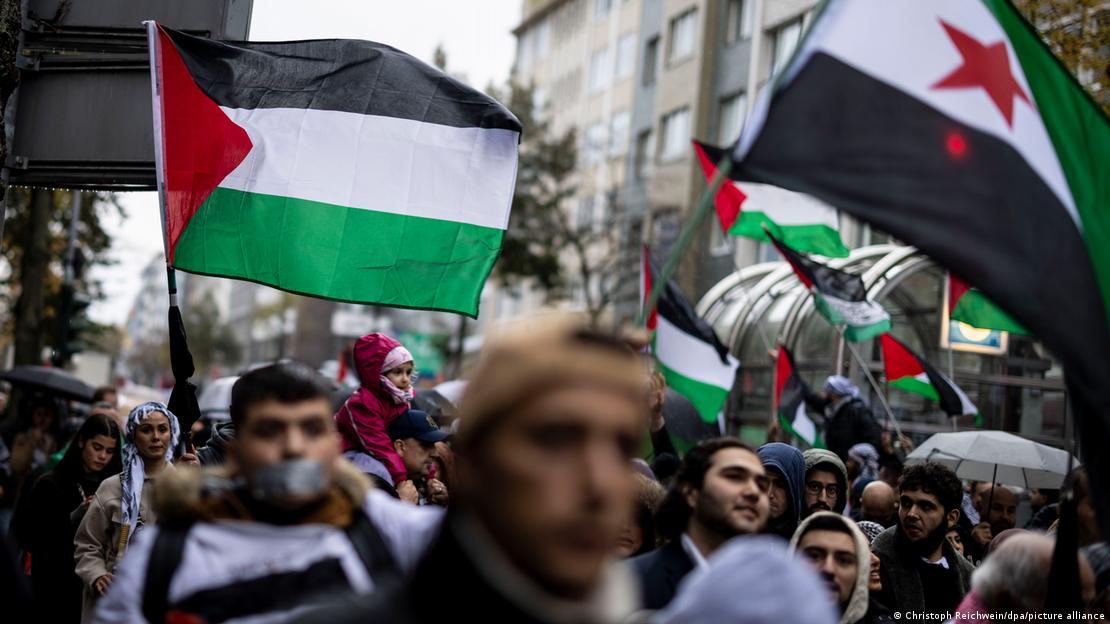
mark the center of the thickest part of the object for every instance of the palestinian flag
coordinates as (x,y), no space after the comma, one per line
(338,169)
(790,401)
(910,372)
(695,363)
(839,296)
(798,220)
(968,305)
(950,125)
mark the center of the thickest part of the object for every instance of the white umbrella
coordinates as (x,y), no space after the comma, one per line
(451,390)
(997,457)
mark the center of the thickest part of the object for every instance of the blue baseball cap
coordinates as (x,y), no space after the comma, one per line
(416,424)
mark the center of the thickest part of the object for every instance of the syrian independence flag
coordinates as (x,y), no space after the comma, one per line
(950,125)
(798,220)
(839,296)
(968,305)
(338,169)
(695,363)
(910,372)
(790,401)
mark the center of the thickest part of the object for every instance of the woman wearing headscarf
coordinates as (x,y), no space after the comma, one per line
(55,506)
(121,505)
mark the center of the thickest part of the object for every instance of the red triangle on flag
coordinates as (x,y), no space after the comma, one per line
(200,144)
(899,361)
(729,196)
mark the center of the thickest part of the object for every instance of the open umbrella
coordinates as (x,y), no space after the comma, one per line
(52,381)
(997,457)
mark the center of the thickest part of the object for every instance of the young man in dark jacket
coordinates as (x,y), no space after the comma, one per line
(921,571)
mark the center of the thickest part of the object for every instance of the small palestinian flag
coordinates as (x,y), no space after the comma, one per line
(910,372)
(338,169)
(798,220)
(790,401)
(968,305)
(950,125)
(839,296)
(694,361)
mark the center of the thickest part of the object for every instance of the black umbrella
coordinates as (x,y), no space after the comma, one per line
(52,381)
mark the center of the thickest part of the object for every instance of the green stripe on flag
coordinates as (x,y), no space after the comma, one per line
(708,399)
(916,386)
(976,310)
(334,252)
(1079,131)
(815,238)
(789,428)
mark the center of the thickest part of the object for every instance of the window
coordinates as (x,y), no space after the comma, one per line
(618,134)
(524,49)
(733,110)
(651,55)
(594,144)
(675,132)
(539,99)
(543,40)
(601,7)
(599,70)
(683,34)
(584,217)
(643,154)
(739,20)
(626,56)
(784,40)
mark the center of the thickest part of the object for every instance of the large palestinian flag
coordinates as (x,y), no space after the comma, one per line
(909,371)
(790,401)
(339,169)
(839,296)
(798,220)
(951,126)
(694,361)
(968,305)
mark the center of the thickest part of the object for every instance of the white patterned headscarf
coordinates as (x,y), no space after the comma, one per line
(134,472)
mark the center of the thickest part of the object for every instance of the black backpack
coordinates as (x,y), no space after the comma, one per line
(169,545)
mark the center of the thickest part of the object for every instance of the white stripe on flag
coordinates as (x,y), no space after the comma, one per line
(385,164)
(911,51)
(803,425)
(690,357)
(787,207)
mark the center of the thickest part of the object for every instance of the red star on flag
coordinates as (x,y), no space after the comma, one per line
(986,67)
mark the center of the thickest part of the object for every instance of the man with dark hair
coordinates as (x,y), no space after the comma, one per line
(997,507)
(841,556)
(106,394)
(720,492)
(826,485)
(921,571)
(290,525)
(786,469)
(890,470)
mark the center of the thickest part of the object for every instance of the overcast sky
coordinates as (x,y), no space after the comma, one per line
(476,36)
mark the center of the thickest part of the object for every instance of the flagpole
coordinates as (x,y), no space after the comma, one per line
(685,237)
(871,379)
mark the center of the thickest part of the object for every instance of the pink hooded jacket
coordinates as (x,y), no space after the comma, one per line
(363,419)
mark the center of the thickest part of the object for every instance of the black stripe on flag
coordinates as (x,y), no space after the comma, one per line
(674,307)
(794,390)
(346,75)
(829,281)
(948,401)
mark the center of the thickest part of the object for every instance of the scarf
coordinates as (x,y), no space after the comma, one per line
(134,472)
(399,396)
(867,458)
(397,356)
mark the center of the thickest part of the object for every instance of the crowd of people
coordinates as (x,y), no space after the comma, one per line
(556,496)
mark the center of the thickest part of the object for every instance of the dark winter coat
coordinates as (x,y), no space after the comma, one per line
(902,587)
(852,423)
(215,452)
(660,572)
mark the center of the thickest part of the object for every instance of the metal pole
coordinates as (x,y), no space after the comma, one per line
(990,499)
(71,249)
(952,374)
(685,237)
(871,379)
